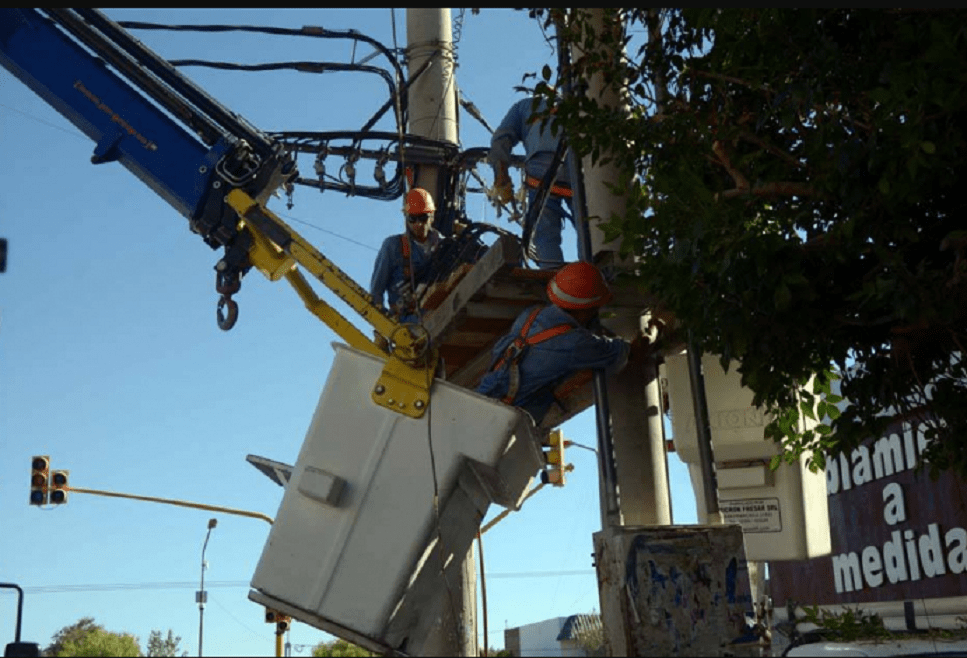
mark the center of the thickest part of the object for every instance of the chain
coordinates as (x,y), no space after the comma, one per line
(458,27)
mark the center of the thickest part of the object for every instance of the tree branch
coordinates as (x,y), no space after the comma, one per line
(741,182)
(784,188)
(722,77)
(779,153)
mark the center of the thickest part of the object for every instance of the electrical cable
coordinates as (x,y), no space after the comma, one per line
(304,67)
(237,620)
(115,587)
(309,31)
(319,228)
(46,123)
(458,28)
(392,17)
(483,591)
(535,211)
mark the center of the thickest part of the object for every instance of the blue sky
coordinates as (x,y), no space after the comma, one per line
(112,364)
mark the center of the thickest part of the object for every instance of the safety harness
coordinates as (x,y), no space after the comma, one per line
(518,347)
(407,297)
(405,246)
(559,190)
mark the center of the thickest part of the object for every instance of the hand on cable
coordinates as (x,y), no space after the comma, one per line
(505,192)
(503,187)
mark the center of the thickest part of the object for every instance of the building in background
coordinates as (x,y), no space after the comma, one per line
(576,635)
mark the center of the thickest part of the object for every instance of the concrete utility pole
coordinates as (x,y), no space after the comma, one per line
(432,98)
(663,590)
(633,395)
(432,103)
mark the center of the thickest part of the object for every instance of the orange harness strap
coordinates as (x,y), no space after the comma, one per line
(405,246)
(515,351)
(559,190)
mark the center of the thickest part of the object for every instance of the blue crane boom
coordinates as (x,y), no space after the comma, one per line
(211,165)
(143,114)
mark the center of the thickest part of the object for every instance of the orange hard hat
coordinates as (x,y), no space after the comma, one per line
(579,286)
(418,202)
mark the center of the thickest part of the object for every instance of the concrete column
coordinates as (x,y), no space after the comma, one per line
(633,394)
(432,103)
(639,444)
(432,98)
(601,201)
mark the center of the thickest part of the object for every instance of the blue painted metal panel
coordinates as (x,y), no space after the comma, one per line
(125,126)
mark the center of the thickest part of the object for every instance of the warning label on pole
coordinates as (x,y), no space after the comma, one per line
(753,514)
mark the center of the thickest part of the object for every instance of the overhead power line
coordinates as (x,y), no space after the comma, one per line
(118,587)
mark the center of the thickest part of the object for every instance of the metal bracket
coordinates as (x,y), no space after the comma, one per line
(404,385)
(404,388)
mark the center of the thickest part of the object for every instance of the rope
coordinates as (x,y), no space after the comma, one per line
(500,517)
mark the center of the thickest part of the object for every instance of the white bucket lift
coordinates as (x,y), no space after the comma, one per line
(354,549)
(783,513)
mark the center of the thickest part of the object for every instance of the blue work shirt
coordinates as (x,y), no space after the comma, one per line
(548,363)
(388,270)
(539,145)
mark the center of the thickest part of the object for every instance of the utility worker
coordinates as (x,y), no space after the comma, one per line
(548,344)
(539,147)
(403,259)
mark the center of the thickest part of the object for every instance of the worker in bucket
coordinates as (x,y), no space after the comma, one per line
(403,259)
(540,144)
(547,344)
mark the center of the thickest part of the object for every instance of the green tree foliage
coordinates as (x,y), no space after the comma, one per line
(164,646)
(76,630)
(794,183)
(851,625)
(339,648)
(85,638)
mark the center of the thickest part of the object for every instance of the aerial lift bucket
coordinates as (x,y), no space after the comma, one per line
(382,508)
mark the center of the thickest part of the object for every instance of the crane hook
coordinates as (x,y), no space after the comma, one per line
(227,282)
(226,322)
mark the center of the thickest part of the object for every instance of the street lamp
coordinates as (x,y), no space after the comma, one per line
(200,596)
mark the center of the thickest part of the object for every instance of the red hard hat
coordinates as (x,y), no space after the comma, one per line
(418,202)
(578,286)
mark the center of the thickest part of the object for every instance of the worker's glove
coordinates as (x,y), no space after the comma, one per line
(641,348)
(505,192)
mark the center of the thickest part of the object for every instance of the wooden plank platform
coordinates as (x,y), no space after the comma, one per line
(476,305)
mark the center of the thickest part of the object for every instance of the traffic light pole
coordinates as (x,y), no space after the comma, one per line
(18,648)
(172,501)
(40,485)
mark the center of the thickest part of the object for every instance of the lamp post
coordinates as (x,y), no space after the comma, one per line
(201,596)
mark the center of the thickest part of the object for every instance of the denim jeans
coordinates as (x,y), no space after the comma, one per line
(546,235)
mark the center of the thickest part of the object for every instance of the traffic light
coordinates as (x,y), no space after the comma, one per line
(282,624)
(39,475)
(58,487)
(554,466)
(281,621)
